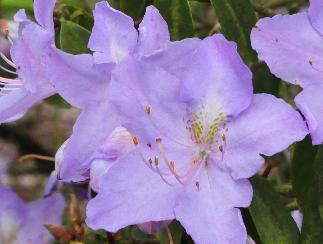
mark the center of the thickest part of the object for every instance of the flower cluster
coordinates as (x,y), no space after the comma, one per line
(168,129)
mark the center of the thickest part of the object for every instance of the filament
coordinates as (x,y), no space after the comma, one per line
(7,70)
(8,61)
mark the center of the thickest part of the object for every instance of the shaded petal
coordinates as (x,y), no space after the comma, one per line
(153,32)
(208,219)
(16,103)
(267,127)
(77,78)
(217,78)
(90,131)
(118,144)
(33,230)
(315,13)
(113,35)
(310,102)
(28,54)
(287,43)
(43,10)
(175,57)
(130,193)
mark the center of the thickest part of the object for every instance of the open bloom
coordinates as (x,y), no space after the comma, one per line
(22,222)
(83,80)
(19,94)
(8,32)
(197,139)
(292,46)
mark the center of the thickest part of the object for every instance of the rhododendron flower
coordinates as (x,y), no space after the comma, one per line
(117,144)
(113,39)
(8,32)
(19,94)
(292,46)
(197,139)
(22,222)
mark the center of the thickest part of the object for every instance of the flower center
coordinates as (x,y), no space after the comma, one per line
(208,136)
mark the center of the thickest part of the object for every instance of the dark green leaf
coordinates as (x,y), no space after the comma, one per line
(133,8)
(74,38)
(272,219)
(237,18)
(178,16)
(264,81)
(58,101)
(307,180)
(250,225)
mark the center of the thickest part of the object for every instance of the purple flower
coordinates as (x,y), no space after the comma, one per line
(83,80)
(19,94)
(197,139)
(291,45)
(22,222)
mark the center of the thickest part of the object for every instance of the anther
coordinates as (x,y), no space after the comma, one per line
(172,165)
(221,148)
(150,162)
(148,109)
(158,140)
(135,140)
(149,145)
(223,137)
(156,161)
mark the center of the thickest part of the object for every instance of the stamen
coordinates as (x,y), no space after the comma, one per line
(7,81)
(221,149)
(161,176)
(135,140)
(172,165)
(36,156)
(148,109)
(311,62)
(162,152)
(6,33)
(8,61)
(8,88)
(9,85)
(156,160)
(7,70)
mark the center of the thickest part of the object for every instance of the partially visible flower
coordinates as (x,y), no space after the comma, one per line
(83,80)
(197,140)
(19,94)
(292,46)
(8,33)
(298,218)
(116,145)
(22,222)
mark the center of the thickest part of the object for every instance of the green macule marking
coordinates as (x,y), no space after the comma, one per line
(197,128)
